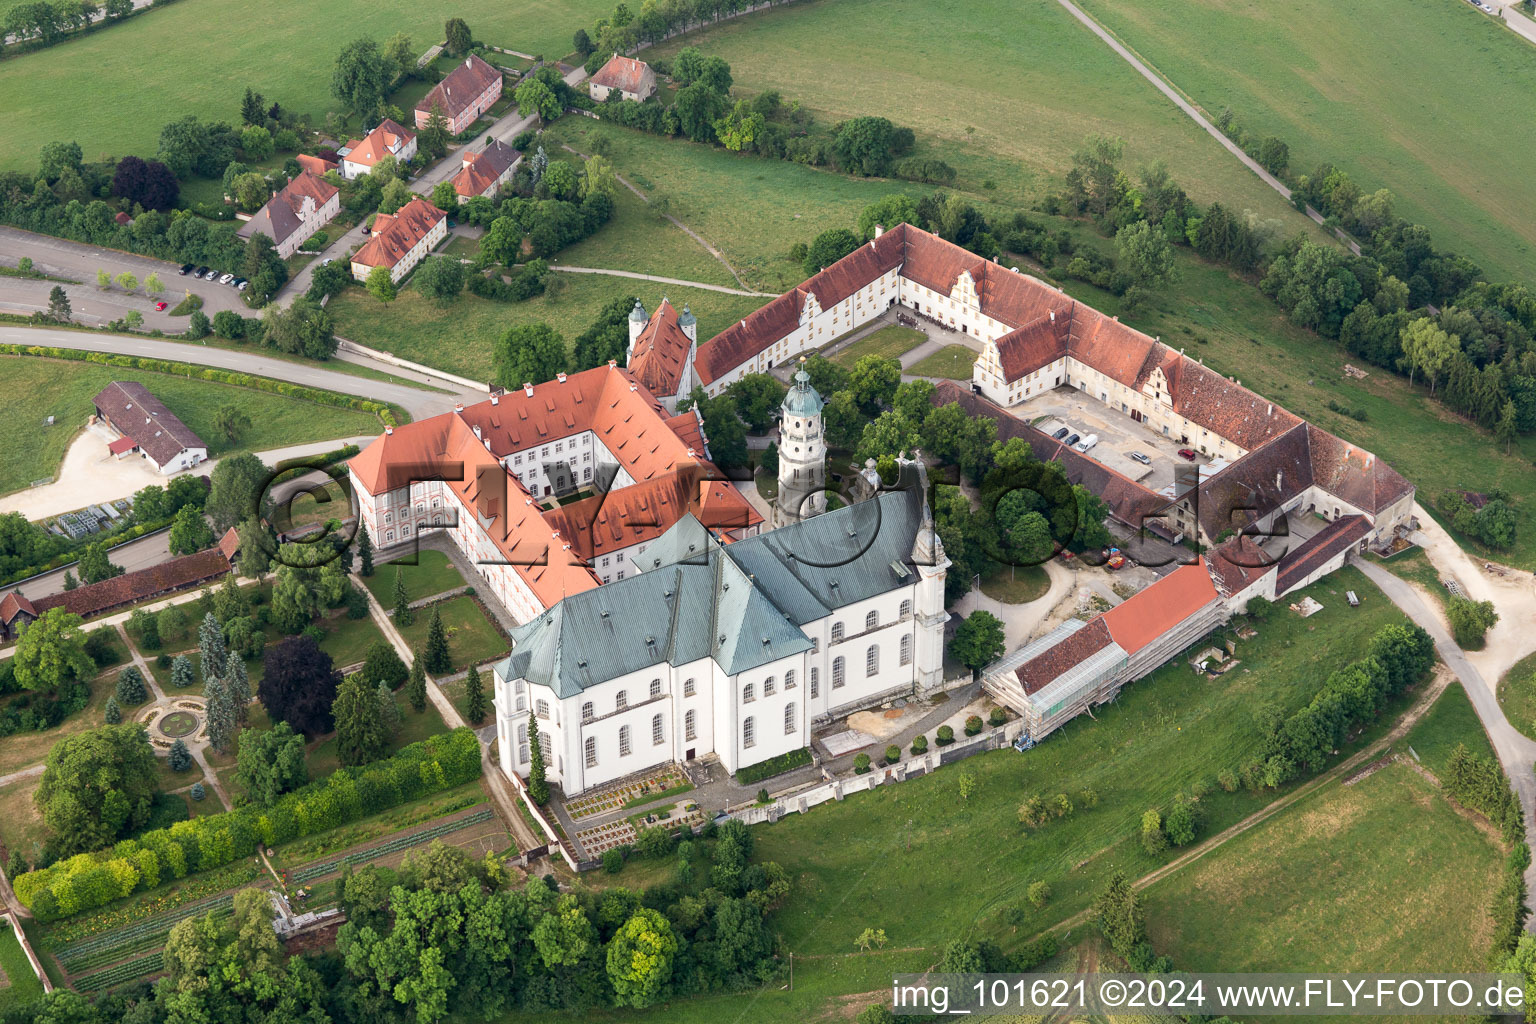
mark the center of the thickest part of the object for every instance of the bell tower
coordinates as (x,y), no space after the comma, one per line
(802,454)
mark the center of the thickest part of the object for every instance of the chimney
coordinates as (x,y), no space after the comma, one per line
(1271,409)
(495,399)
(879,230)
(388,431)
(633,386)
(1053,316)
(458,406)
(613,364)
(560,377)
(487,443)
(528,388)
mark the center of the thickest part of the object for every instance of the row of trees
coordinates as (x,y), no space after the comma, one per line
(46,23)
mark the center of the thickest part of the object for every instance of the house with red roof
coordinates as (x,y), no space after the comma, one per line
(484,172)
(662,349)
(389,138)
(147,428)
(631,79)
(401,240)
(465,93)
(291,217)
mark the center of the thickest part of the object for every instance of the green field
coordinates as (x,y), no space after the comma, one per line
(1450,722)
(1383,875)
(952,362)
(460,338)
(1517,695)
(35,389)
(21,984)
(1398,95)
(1003,91)
(284,50)
(887,343)
(432,574)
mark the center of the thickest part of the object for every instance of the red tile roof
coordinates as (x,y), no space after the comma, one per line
(122,444)
(483,169)
(316,164)
(1035,345)
(460,87)
(1238,564)
(645,510)
(1049,665)
(661,352)
(1142,618)
(13,604)
(95,598)
(622,73)
(229,544)
(385,140)
(865,264)
(398,234)
(746,338)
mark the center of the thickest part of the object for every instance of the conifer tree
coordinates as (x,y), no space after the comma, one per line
(436,654)
(474,697)
(238,682)
(538,786)
(365,551)
(360,735)
(70,583)
(210,641)
(180,758)
(130,687)
(183,674)
(389,711)
(403,616)
(416,686)
(111,711)
(220,715)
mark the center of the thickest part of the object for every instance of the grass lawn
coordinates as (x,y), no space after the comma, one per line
(1163,736)
(21,827)
(461,337)
(1015,585)
(887,343)
(347,640)
(454,691)
(472,638)
(433,573)
(639,241)
(1005,92)
(1451,721)
(170,780)
(461,247)
(43,89)
(952,362)
(1407,116)
(1517,695)
(28,748)
(35,389)
(1383,875)
(22,985)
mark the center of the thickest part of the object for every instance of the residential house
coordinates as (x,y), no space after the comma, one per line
(388,139)
(465,93)
(317,164)
(486,171)
(303,206)
(400,240)
(631,79)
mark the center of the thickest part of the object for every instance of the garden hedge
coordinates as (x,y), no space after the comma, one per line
(774,766)
(90,880)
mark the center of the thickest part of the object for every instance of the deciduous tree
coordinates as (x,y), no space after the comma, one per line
(270,763)
(298,685)
(51,651)
(360,76)
(189,531)
(97,786)
(530,353)
(978,640)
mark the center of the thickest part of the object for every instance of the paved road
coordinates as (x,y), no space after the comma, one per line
(77,261)
(417,402)
(1189,109)
(663,280)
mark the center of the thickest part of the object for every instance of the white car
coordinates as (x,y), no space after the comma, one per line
(226,278)
(327,262)
(1140,457)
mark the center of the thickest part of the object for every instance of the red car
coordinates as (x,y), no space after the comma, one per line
(159,307)
(1187,453)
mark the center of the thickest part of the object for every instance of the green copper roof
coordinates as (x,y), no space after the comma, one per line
(802,399)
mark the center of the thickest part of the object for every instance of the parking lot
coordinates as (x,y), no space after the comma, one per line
(1119,435)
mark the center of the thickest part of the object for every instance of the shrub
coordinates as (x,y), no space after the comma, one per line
(613,862)
(773,766)
(197,791)
(1227,780)
(920,745)
(945,736)
(861,764)
(1038,894)
(892,754)
(973,725)
(997,717)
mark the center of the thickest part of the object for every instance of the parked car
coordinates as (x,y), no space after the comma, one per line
(1140,457)
(1071,440)
(327,262)
(1087,443)
(159,307)
(1187,453)
(200,272)
(1061,432)
(212,275)
(186,268)
(227,279)
(242,284)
